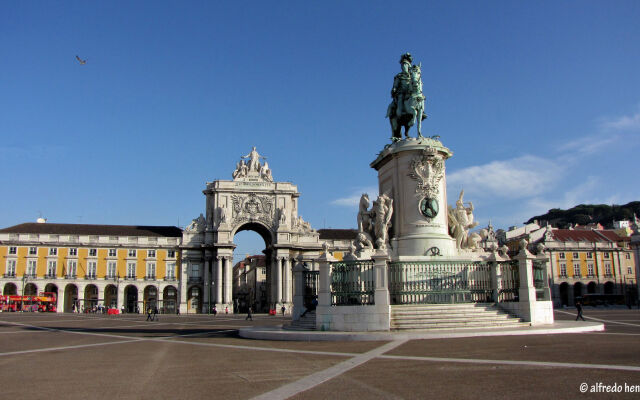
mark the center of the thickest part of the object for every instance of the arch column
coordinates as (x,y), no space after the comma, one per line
(219,280)
(287,280)
(182,288)
(279,280)
(206,298)
(228,284)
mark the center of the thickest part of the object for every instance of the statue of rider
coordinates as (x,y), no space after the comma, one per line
(401,89)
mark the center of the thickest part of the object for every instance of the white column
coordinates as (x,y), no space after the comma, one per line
(287,280)
(219,281)
(279,280)
(206,284)
(227,281)
(182,289)
(61,298)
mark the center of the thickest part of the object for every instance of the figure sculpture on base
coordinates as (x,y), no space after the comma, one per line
(407,107)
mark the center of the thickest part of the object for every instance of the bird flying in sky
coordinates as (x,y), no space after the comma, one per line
(81,61)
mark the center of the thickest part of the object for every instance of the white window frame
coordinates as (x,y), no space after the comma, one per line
(561,256)
(33,251)
(132,253)
(576,270)
(32,267)
(10,269)
(575,255)
(589,254)
(72,268)
(590,269)
(629,271)
(93,252)
(171,254)
(52,266)
(606,255)
(53,251)
(151,254)
(92,269)
(151,270)
(112,268)
(13,250)
(607,269)
(131,270)
(171,270)
(113,253)
(73,251)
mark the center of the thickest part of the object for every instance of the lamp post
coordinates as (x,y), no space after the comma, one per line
(24,280)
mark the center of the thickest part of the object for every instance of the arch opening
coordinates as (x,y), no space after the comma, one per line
(252,273)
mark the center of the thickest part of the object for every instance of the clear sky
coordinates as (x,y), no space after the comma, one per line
(539,102)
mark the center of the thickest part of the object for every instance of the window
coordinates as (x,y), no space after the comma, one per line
(589,255)
(561,255)
(53,251)
(607,269)
(606,255)
(73,251)
(575,255)
(629,272)
(112,252)
(151,270)
(91,269)
(13,250)
(11,268)
(171,270)
(151,253)
(72,268)
(111,269)
(132,253)
(576,269)
(51,268)
(171,254)
(131,270)
(627,256)
(31,267)
(93,252)
(563,269)
(590,269)
(33,251)
(195,271)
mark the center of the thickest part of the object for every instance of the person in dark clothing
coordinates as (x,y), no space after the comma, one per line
(283,309)
(149,314)
(155,313)
(579,308)
(312,307)
(249,314)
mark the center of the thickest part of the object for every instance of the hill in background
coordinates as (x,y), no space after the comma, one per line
(584,214)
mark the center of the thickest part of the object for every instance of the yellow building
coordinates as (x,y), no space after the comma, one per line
(585,261)
(125,267)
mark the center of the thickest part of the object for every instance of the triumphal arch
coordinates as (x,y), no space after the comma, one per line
(253,201)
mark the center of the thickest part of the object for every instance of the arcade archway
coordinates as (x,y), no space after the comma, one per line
(131,299)
(71,303)
(253,271)
(10,289)
(111,296)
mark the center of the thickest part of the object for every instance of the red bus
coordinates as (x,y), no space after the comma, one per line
(44,302)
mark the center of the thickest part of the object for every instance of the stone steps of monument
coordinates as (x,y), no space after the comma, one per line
(306,323)
(451,316)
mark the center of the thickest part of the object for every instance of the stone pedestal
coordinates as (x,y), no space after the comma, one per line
(412,173)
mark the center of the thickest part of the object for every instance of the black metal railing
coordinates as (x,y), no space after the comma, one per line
(310,287)
(439,282)
(352,283)
(538,278)
(509,281)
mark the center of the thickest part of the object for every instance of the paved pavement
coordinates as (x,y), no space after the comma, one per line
(51,356)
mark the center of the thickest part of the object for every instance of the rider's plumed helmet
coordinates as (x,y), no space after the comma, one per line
(406,57)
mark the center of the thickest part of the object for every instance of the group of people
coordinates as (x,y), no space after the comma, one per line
(152,313)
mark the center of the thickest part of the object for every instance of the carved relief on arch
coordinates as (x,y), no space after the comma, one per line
(253,208)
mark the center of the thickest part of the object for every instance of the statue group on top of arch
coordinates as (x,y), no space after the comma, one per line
(252,168)
(407,105)
(374,224)
(197,225)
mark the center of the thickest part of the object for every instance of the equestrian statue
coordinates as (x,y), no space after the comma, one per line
(407,107)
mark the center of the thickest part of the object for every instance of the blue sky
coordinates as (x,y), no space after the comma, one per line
(539,102)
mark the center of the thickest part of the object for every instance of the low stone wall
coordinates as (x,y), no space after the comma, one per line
(353,318)
(538,313)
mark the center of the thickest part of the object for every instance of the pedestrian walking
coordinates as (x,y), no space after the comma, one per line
(249,314)
(155,313)
(226,310)
(283,309)
(579,308)
(214,311)
(149,314)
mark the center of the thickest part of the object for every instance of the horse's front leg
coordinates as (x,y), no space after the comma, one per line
(419,122)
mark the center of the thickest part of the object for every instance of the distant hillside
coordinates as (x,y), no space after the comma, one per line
(589,213)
